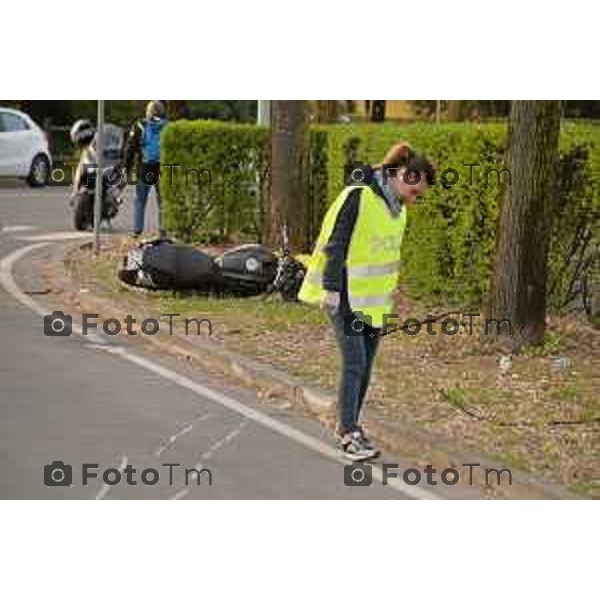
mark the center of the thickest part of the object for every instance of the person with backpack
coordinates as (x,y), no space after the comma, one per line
(353,274)
(143,146)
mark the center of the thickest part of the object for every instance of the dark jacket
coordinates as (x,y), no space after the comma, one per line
(336,250)
(134,151)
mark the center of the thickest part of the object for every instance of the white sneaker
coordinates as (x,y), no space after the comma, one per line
(356,447)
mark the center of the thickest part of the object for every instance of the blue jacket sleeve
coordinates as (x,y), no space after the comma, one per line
(336,249)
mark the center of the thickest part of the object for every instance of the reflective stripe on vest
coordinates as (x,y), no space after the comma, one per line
(363,271)
(364,301)
(374,270)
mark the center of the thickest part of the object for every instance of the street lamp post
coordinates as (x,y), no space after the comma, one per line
(99,174)
(263,113)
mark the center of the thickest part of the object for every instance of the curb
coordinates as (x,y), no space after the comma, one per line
(406,439)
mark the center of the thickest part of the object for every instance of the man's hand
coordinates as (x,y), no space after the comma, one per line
(331,302)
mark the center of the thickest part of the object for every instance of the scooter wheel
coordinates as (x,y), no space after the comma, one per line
(84,217)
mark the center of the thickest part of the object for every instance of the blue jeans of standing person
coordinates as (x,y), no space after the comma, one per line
(149,177)
(358,353)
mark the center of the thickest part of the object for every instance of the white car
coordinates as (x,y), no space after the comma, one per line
(23,148)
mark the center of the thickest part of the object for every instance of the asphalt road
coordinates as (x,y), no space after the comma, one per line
(114,404)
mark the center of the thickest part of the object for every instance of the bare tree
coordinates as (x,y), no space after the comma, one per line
(520,275)
(288,192)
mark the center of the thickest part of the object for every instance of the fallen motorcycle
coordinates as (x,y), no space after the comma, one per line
(247,270)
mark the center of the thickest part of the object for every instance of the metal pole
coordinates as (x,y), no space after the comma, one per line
(99,173)
(438,111)
(263,113)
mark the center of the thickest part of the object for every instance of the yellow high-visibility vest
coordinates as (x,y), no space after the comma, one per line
(373,259)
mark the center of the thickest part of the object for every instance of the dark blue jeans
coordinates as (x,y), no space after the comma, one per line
(358,353)
(149,173)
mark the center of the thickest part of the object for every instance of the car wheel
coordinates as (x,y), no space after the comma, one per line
(39,172)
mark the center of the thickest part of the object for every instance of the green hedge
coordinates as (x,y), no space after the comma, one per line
(222,198)
(450,240)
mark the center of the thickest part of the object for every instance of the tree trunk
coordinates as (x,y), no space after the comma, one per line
(328,111)
(520,276)
(454,110)
(288,193)
(378,111)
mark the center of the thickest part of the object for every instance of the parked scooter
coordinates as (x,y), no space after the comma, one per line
(113,184)
(247,270)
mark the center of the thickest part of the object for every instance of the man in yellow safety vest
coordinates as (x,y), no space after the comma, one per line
(353,273)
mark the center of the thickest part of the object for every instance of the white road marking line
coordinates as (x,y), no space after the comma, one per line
(105,487)
(224,440)
(4,193)
(308,441)
(187,427)
(180,494)
(169,443)
(8,280)
(209,454)
(10,285)
(56,237)
(18,228)
(97,344)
